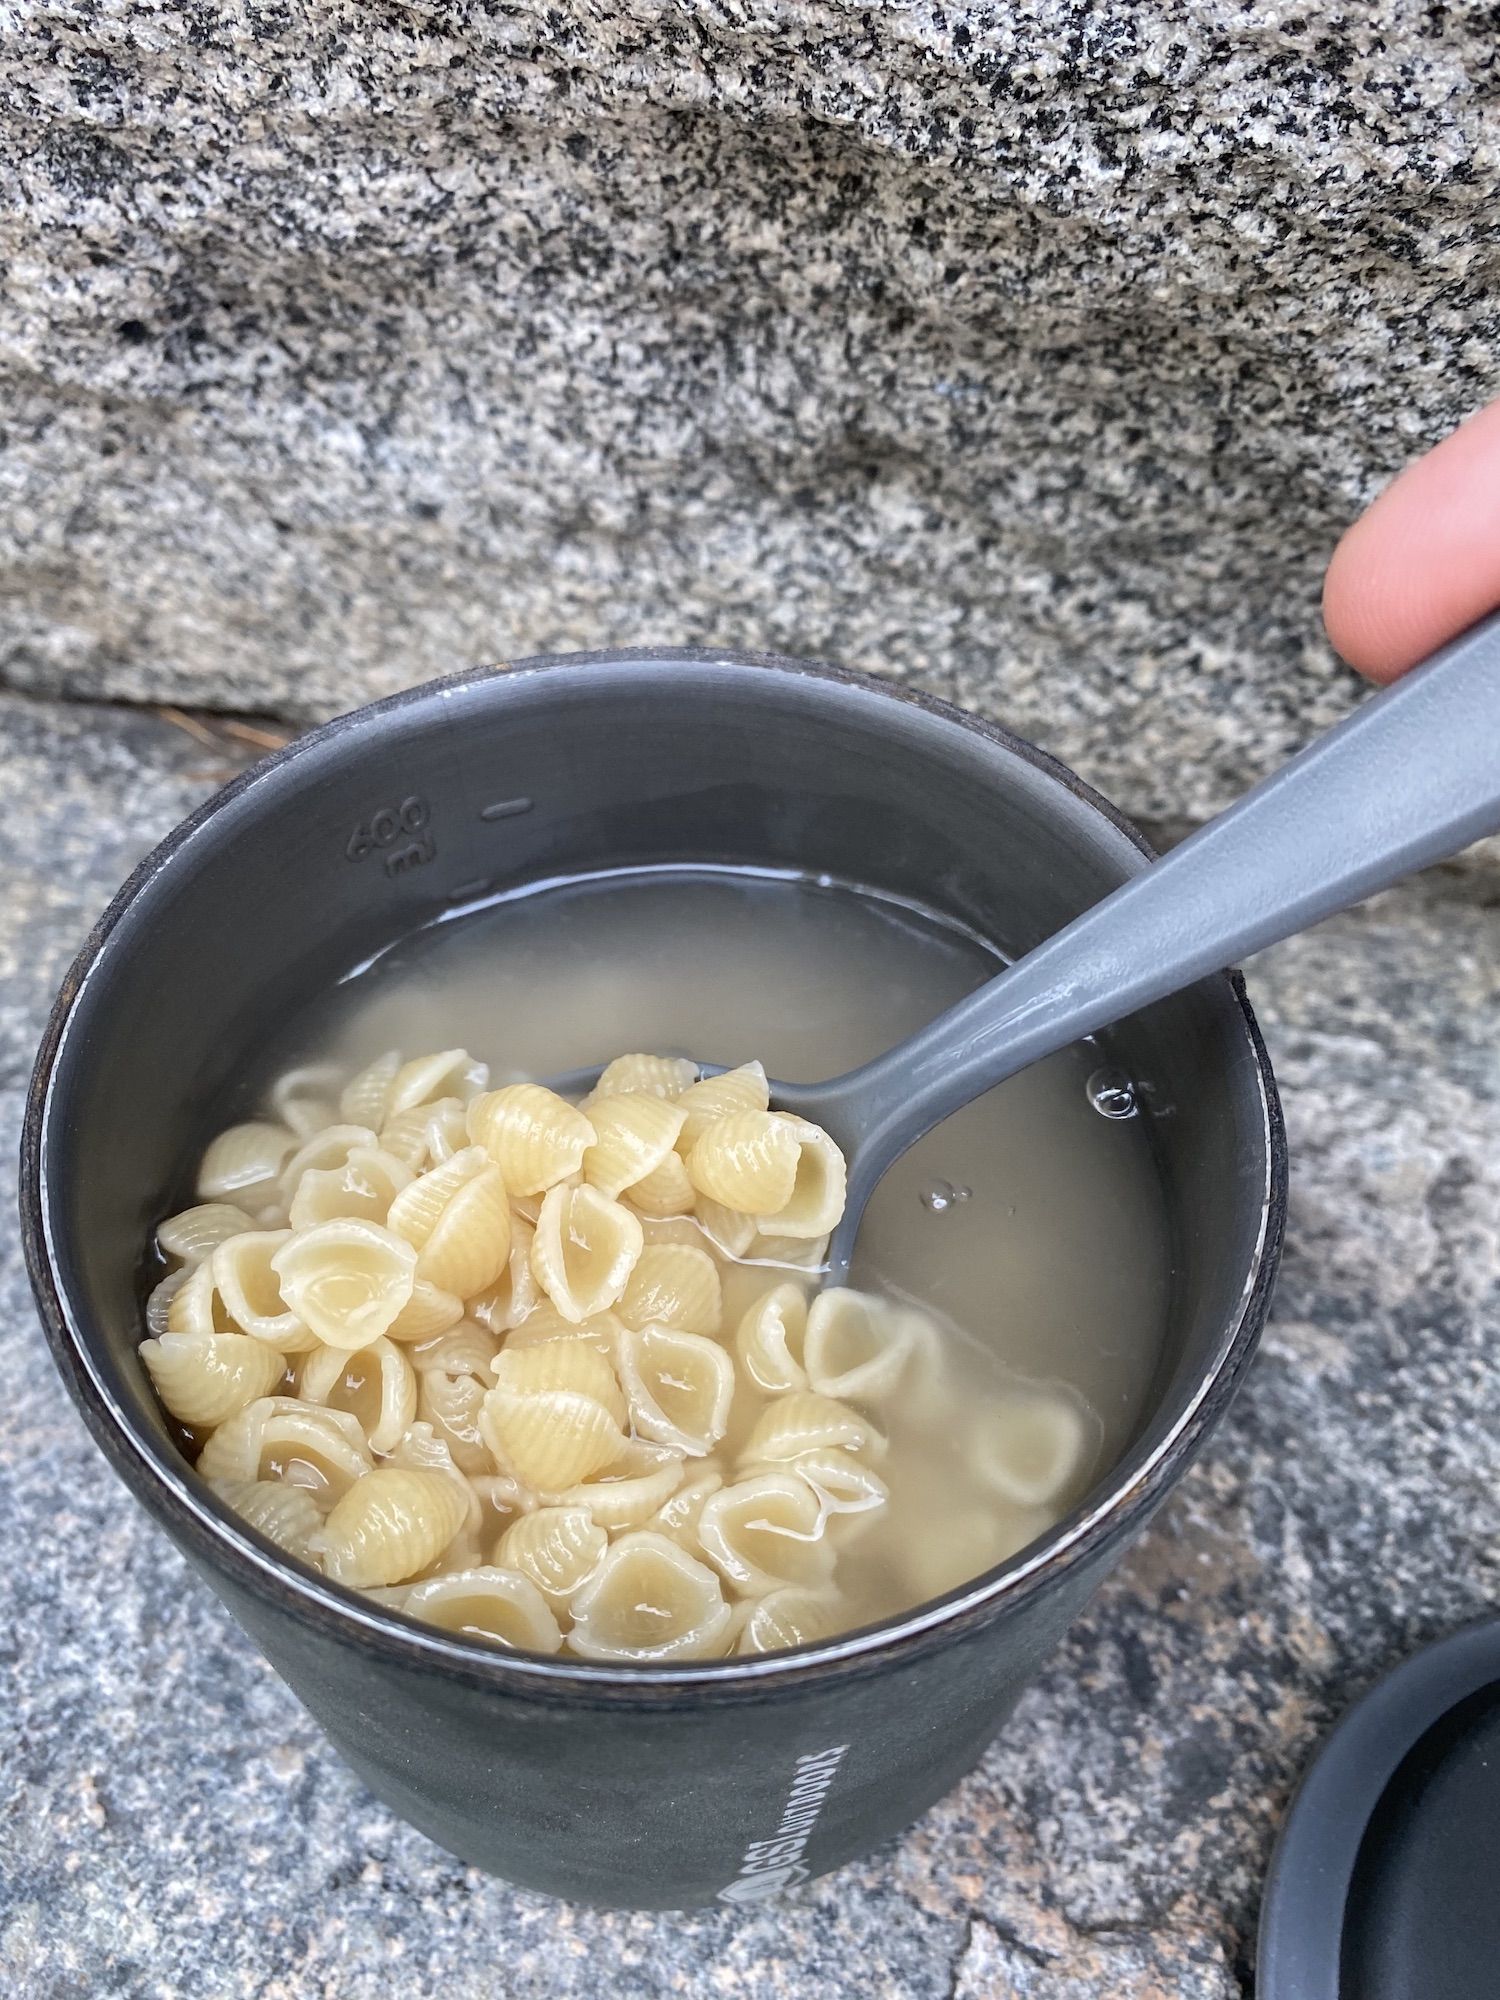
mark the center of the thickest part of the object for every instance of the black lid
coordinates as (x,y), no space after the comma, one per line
(1385,1883)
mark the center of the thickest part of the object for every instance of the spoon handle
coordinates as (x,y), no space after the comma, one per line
(1412,776)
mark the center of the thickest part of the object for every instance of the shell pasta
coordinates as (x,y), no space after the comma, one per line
(560,1377)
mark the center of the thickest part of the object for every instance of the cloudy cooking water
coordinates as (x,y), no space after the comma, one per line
(1031,1223)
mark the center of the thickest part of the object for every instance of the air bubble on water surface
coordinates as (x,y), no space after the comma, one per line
(943,1195)
(1111,1093)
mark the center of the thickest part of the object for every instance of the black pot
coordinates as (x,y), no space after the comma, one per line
(652,1787)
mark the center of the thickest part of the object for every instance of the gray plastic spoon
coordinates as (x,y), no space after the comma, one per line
(1412,776)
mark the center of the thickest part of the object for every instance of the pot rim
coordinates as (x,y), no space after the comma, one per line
(167,1486)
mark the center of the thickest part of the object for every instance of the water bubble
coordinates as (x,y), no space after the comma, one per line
(943,1195)
(1111,1093)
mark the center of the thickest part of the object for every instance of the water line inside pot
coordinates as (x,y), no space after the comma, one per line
(1031,1222)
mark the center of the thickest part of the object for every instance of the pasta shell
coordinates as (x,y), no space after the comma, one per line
(453,1372)
(244,1161)
(767,1531)
(665,1191)
(534,1137)
(244,1270)
(554,1416)
(527,1207)
(655,1076)
(463,1552)
(649,1600)
(574,1367)
(857,1345)
(679,1387)
(1033,1448)
(388,1526)
(844,1483)
(197,1232)
(544,1322)
(678,1517)
(791,1617)
(556,1547)
(728,1229)
(584,1250)
(423,1450)
(281,1438)
(159,1300)
(803,1421)
(748,1161)
(716,1097)
(458,1218)
(427,1312)
(428,1134)
(507,1302)
(769,1340)
(502,1494)
(367,1093)
(673,1229)
(451,1404)
(323,1152)
(447,1129)
(425,1079)
(496,1605)
(634,1133)
(377,1385)
(285,1515)
(195,1305)
(204,1378)
(409,1137)
(673,1284)
(817,1198)
(550,1442)
(740,1611)
(631,1487)
(347,1281)
(466,1349)
(305,1099)
(788,1253)
(364,1186)
(424,1199)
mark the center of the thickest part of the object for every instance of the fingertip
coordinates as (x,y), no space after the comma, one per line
(1357,610)
(1424,561)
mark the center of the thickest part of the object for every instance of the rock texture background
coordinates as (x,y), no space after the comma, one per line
(1038,353)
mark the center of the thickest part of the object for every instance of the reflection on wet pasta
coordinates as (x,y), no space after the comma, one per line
(560,1376)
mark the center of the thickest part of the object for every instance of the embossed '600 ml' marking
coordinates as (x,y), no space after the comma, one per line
(398,834)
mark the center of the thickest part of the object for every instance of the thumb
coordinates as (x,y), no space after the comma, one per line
(1424,561)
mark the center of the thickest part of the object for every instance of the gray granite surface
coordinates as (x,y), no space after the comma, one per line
(173,1827)
(1038,353)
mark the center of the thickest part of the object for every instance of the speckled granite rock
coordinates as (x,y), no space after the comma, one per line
(177,1826)
(1038,353)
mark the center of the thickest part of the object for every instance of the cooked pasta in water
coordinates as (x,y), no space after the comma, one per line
(578,1354)
(560,1376)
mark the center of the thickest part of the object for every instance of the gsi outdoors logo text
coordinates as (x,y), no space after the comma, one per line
(774,1864)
